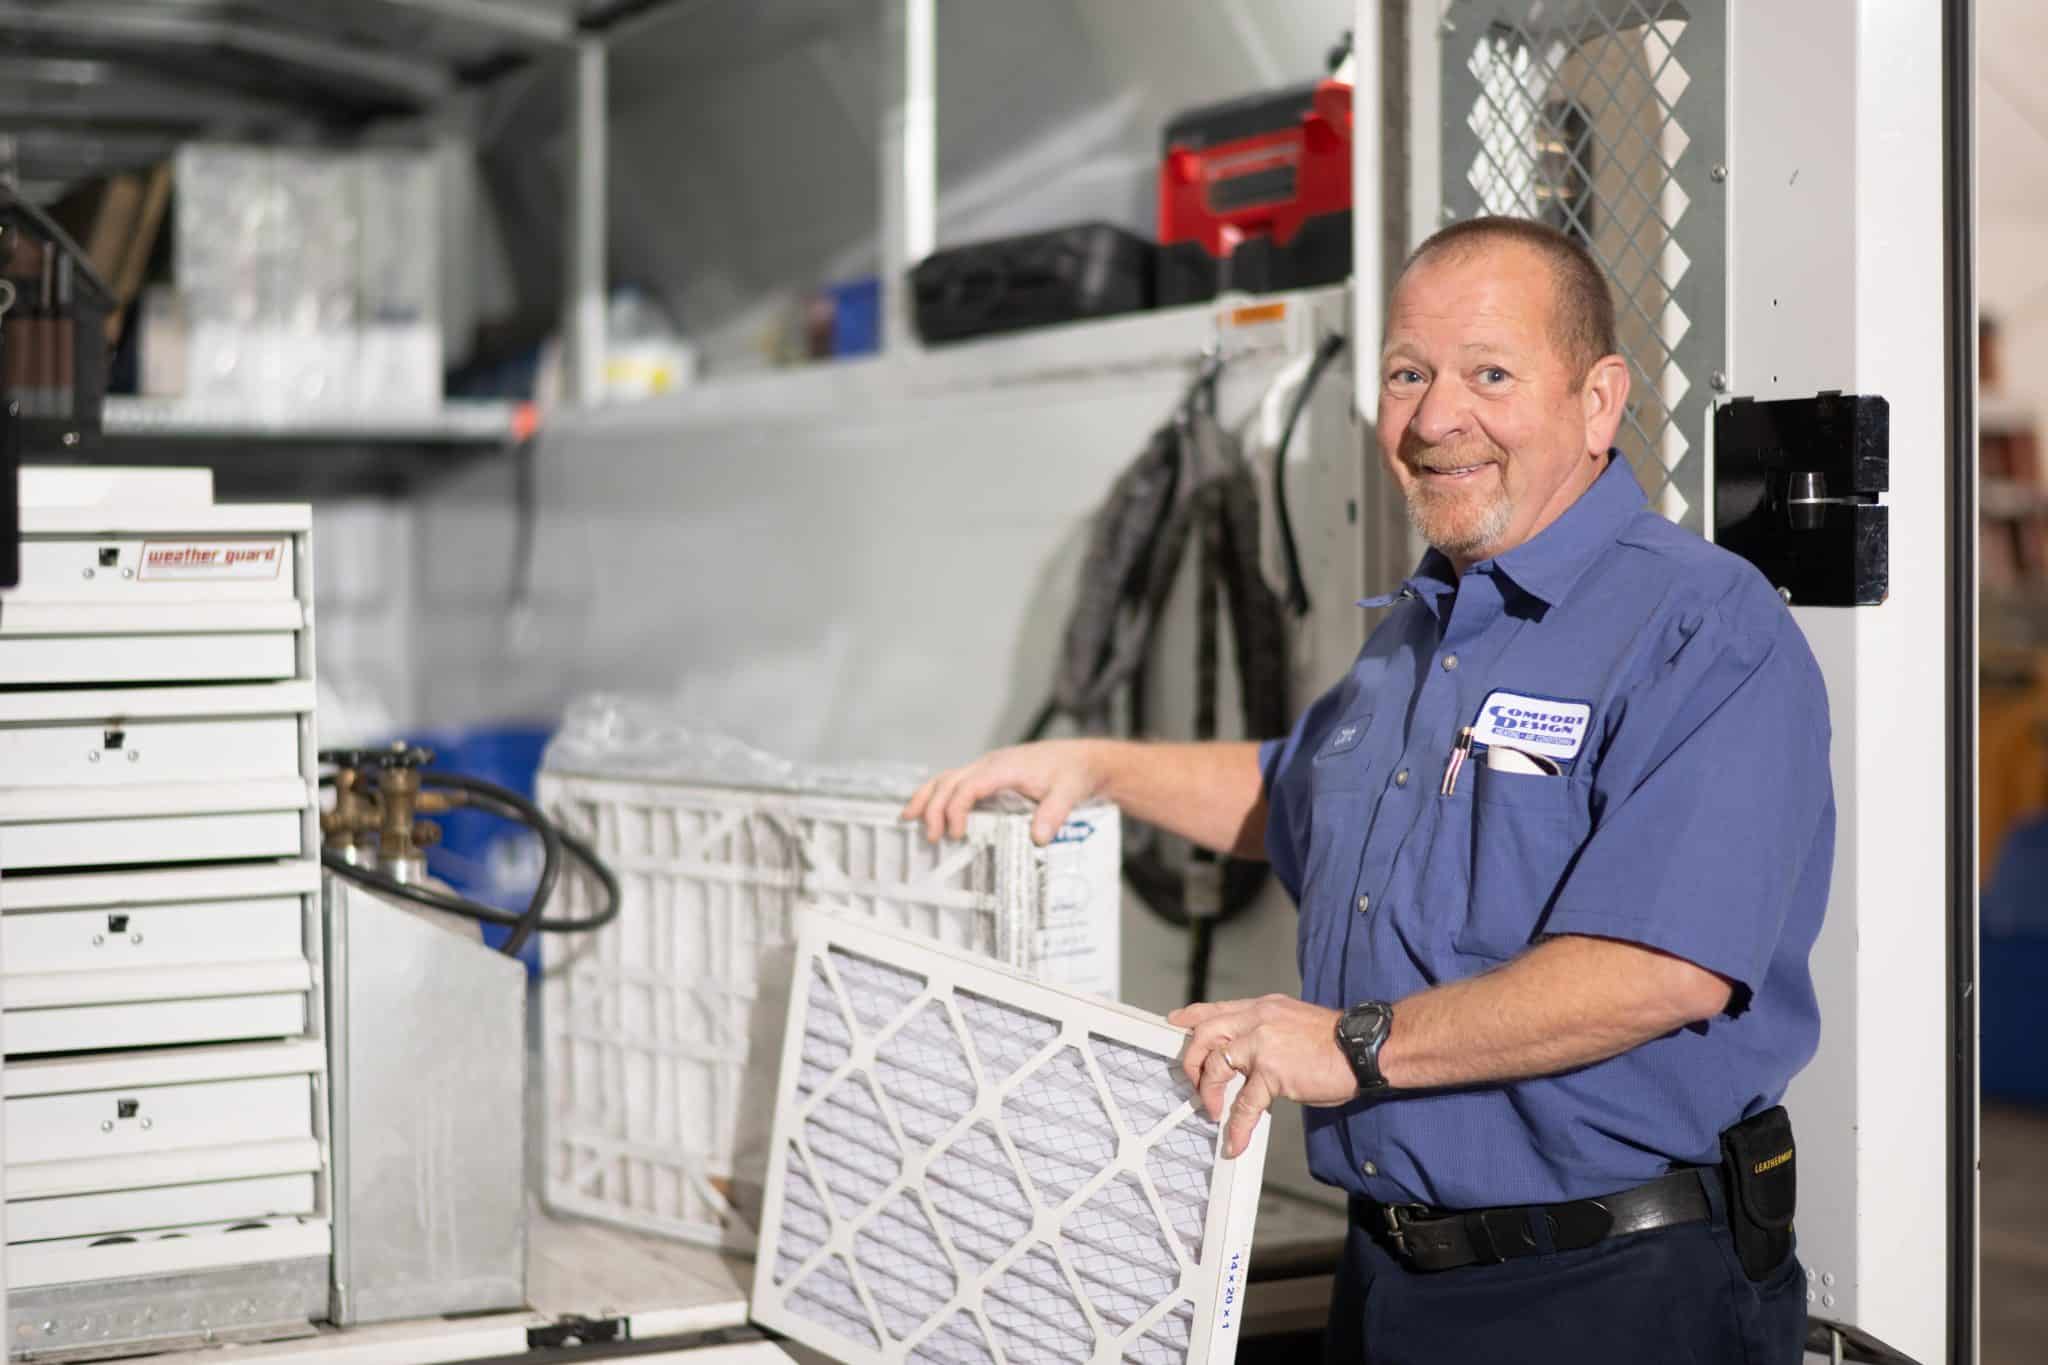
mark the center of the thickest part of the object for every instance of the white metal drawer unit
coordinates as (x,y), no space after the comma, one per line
(126,1164)
(86,775)
(164,1109)
(129,579)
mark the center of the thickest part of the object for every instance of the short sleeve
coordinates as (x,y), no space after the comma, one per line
(1711,797)
(1284,769)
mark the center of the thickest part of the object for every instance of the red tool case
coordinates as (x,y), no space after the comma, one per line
(1255,194)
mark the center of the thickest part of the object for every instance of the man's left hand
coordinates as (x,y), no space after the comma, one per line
(1285,1049)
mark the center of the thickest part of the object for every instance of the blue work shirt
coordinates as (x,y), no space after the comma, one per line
(1694,814)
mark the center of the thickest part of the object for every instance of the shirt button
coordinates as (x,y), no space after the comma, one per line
(1370,1169)
(1401,778)
(1450,663)
(1364,904)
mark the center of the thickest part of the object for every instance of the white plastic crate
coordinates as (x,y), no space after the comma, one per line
(972,1167)
(664,1029)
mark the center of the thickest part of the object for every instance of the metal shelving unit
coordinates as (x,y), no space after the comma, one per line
(91,87)
(456,422)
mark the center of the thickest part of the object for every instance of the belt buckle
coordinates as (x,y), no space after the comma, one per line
(1392,1214)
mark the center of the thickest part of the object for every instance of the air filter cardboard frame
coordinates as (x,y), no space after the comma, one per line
(849,1221)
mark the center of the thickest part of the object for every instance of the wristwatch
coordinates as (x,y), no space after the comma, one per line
(1362,1031)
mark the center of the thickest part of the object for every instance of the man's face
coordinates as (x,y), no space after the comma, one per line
(1482,420)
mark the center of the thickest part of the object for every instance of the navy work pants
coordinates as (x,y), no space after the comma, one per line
(1671,1296)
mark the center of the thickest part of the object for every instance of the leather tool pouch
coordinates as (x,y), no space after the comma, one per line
(1760,1167)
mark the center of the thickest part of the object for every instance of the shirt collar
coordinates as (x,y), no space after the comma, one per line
(1547,564)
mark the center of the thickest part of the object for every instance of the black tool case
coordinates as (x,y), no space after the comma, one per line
(1090,270)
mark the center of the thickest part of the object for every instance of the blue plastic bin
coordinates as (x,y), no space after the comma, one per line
(856,316)
(488,859)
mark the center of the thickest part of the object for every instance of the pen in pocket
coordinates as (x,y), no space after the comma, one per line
(1460,751)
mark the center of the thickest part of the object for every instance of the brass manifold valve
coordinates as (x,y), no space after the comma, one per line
(378,804)
(373,836)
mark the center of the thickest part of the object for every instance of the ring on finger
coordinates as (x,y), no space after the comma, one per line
(1226,1058)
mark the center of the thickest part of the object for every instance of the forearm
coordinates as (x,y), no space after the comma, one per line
(1211,794)
(1563,1004)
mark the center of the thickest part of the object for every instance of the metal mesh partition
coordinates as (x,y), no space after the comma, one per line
(1607,119)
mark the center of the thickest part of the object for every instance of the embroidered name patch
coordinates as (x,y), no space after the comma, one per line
(1346,736)
(1539,725)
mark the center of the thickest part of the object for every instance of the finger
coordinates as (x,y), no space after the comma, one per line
(1252,1101)
(914,807)
(1220,1028)
(935,806)
(1054,809)
(1202,1011)
(960,801)
(1197,1050)
(982,780)
(928,800)
(1217,1074)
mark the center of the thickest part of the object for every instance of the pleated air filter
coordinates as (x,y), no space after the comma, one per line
(970,1168)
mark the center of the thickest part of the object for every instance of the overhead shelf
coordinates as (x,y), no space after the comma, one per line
(456,422)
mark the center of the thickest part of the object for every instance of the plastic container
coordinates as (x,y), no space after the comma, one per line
(482,856)
(663,1031)
(856,316)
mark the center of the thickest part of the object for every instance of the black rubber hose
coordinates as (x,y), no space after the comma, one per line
(1202,931)
(1297,586)
(554,840)
(488,914)
(534,819)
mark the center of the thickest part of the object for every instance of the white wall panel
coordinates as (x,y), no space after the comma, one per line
(868,561)
(1835,283)
(363,559)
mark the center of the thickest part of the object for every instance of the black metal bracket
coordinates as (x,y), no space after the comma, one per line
(10,504)
(1822,1337)
(1796,488)
(577,1331)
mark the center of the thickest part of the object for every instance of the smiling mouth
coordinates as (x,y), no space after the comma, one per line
(1453,472)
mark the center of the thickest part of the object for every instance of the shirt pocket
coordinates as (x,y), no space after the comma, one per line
(1525,827)
(1336,834)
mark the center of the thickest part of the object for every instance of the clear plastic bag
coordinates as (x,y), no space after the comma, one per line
(606,735)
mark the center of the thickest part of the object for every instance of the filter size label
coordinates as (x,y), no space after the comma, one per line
(241,561)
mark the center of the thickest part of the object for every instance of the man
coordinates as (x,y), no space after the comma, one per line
(1561,841)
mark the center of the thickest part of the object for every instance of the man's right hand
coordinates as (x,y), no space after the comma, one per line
(1059,774)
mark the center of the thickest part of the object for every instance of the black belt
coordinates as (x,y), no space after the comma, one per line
(1423,1238)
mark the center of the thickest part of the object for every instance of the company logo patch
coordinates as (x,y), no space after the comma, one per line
(1538,725)
(244,560)
(1074,832)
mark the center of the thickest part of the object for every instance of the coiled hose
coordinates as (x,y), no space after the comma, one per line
(1191,481)
(555,841)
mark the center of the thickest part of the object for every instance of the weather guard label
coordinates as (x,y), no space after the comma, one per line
(241,561)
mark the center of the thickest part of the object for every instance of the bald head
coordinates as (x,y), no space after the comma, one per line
(1581,308)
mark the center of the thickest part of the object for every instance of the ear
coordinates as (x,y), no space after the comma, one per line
(1604,398)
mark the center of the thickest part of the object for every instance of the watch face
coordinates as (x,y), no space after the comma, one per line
(1364,1023)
